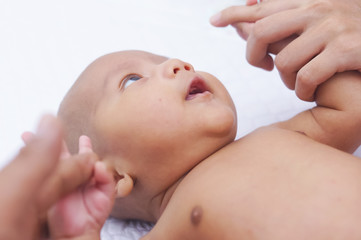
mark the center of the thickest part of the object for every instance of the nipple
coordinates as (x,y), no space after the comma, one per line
(196,215)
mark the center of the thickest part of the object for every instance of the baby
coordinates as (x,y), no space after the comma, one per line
(167,133)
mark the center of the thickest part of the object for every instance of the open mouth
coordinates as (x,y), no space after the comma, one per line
(197,88)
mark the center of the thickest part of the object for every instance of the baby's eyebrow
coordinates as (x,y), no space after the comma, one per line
(115,72)
(130,65)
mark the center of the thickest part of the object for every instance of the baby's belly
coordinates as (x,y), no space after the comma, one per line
(275,184)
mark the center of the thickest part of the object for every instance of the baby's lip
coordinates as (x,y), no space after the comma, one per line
(196,88)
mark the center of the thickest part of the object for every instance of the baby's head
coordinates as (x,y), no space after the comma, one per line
(151,119)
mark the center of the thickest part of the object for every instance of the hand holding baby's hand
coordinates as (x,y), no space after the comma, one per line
(313,39)
(36,179)
(84,211)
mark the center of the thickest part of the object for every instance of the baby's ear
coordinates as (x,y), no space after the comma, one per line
(124,185)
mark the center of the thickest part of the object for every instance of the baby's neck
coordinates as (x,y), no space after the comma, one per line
(162,200)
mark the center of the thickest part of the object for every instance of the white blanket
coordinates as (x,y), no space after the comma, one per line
(45,44)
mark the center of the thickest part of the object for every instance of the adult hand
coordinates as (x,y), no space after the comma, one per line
(318,38)
(36,179)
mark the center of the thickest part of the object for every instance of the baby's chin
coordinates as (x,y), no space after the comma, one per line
(227,126)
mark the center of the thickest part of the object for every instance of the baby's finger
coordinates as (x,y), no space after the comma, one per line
(85,145)
(104,178)
(100,195)
(69,176)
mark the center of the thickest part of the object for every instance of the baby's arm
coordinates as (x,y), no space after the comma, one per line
(336,120)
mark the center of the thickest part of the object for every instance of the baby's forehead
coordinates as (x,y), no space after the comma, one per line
(116,62)
(112,65)
(124,58)
(147,56)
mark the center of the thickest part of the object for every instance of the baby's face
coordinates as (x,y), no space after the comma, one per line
(157,117)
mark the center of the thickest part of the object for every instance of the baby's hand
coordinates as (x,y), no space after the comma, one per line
(83,213)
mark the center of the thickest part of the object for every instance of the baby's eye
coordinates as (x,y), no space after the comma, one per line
(129,79)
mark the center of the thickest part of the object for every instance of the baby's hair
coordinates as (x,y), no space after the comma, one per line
(77,108)
(74,114)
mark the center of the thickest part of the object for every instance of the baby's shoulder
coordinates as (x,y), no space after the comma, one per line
(264,138)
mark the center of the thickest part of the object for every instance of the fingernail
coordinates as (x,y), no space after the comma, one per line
(215,18)
(45,127)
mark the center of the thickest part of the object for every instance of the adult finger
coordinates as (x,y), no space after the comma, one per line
(341,54)
(64,151)
(270,30)
(243,29)
(277,47)
(27,137)
(251,2)
(313,74)
(251,13)
(298,53)
(321,68)
(71,174)
(27,173)
(37,160)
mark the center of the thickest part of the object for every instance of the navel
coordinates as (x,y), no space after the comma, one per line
(196,215)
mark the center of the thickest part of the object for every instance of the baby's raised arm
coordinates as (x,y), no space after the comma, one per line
(336,120)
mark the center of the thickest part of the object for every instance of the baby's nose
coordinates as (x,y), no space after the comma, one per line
(172,67)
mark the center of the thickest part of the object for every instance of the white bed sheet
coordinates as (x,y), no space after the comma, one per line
(45,44)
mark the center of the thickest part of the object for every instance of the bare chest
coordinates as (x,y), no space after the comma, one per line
(267,180)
